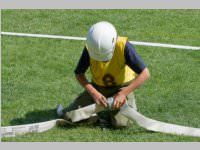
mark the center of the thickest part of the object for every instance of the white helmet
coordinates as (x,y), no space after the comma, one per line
(101,40)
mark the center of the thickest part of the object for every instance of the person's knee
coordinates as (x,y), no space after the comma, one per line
(122,125)
(119,121)
(132,101)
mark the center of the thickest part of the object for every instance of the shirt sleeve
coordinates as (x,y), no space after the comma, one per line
(84,62)
(133,60)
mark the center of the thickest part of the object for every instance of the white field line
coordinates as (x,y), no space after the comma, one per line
(82,38)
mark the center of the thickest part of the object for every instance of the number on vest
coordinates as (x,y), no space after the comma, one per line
(109,80)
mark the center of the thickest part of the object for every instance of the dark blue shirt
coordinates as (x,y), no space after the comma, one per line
(133,60)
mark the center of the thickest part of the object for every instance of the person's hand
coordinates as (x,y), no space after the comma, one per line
(100,99)
(119,100)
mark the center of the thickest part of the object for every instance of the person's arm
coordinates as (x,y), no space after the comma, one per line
(97,96)
(120,97)
(80,70)
(134,61)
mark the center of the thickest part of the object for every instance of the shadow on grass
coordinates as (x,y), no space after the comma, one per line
(38,116)
(47,115)
(35,117)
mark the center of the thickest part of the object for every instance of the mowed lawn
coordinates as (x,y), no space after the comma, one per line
(37,74)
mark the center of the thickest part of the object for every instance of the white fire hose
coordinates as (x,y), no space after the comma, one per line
(89,111)
(147,123)
(11,131)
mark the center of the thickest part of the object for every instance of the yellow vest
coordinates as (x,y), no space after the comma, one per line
(114,72)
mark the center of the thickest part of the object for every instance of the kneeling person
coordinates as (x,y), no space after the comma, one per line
(116,69)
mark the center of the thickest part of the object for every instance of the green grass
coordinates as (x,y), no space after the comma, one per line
(37,74)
